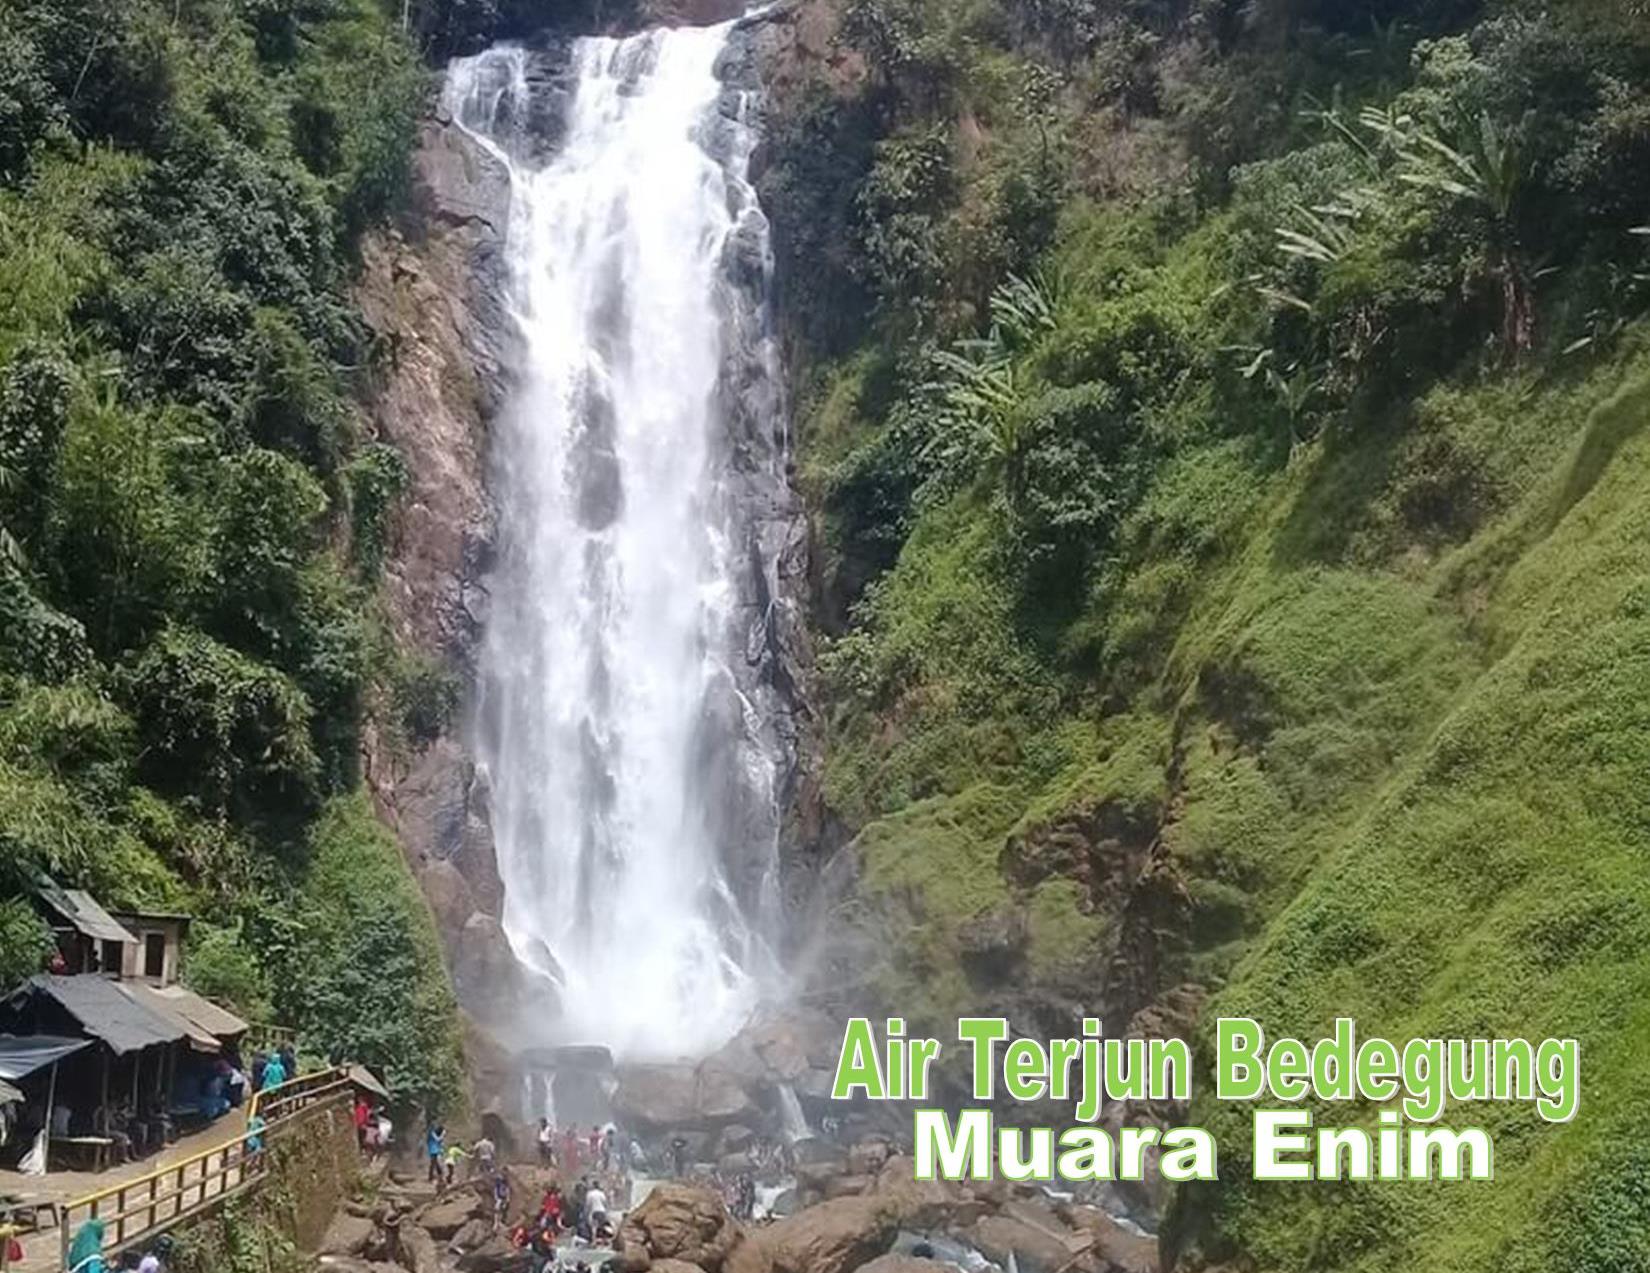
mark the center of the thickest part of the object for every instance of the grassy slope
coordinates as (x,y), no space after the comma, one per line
(1491,881)
(1397,763)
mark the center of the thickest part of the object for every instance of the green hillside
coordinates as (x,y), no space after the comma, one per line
(192,513)
(1236,548)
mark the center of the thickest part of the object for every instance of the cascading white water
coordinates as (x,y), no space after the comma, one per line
(618,722)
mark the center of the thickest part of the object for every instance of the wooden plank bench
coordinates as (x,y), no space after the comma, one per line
(93,1150)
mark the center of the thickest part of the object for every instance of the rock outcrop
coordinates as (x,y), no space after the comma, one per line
(681,1223)
(835,1237)
(431,292)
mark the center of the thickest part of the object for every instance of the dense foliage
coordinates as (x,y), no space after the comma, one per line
(192,518)
(1225,427)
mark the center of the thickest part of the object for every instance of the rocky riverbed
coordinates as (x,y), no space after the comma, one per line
(865,1211)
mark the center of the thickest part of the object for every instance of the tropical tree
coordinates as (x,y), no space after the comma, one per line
(1489,169)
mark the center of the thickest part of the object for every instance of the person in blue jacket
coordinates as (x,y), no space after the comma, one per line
(434,1143)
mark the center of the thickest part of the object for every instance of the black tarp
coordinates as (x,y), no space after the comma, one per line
(103,1011)
(22,1055)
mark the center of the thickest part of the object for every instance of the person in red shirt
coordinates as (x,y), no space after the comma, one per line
(363,1112)
(550,1210)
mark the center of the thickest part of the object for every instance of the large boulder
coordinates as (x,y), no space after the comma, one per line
(495,1255)
(1034,1248)
(446,1216)
(354,1264)
(1119,1250)
(835,1237)
(673,1097)
(818,1163)
(471,1234)
(348,1235)
(923,1204)
(656,1096)
(680,1222)
(735,1138)
(415,1249)
(905,1264)
(867,1156)
(722,1098)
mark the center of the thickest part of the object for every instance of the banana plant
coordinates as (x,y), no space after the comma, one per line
(1491,170)
(980,393)
(1022,310)
(1295,387)
(1623,304)
(1322,234)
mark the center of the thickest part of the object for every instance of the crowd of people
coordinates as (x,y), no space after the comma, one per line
(373,1129)
(599,1149)
(582,1214)
(573,1220)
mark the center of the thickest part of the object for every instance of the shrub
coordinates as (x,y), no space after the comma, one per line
(367,977)
(222,729)
(377,477)
(127,541)
(36,640)
(72,730)
(25,941)
(222,966)
(262,544)
(899,210)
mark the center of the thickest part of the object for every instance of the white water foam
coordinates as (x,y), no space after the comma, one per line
(605,671)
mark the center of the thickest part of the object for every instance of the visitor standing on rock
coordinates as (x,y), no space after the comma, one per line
(678,1156)
(547,1143)
(501,1198)
(383,1131)
(550,1210)
(434,1142)
(595,1208)
(610,1136)
(453,1155)
(485,1151)
(570,1151)
(594,1142)
(576,1198)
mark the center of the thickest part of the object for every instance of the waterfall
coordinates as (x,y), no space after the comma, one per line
(793,1122)
(626,726)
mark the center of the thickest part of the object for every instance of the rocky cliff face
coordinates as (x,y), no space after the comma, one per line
(432,292)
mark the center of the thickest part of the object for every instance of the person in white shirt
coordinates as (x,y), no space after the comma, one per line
(595,1208)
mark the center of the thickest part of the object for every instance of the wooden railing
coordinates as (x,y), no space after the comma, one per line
(277,1104)
(149,1205)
